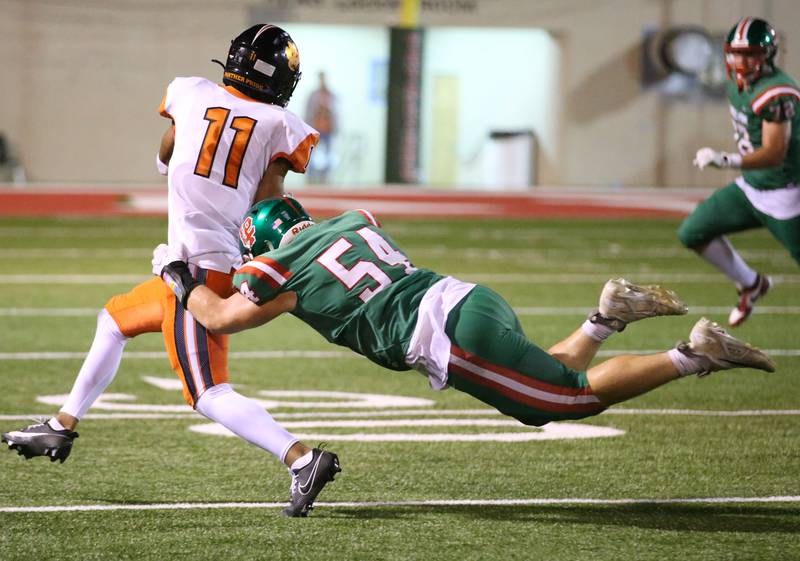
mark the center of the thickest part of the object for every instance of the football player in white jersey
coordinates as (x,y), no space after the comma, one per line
(227,146)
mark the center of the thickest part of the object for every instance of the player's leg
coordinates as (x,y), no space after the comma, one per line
(621,303)
(787,232)
(710,349)
(726,211)
(492,360)
(626,376)
(200,359)
(124,316)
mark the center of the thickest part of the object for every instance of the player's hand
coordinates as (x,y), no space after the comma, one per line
(180,280)
(163,255)
(162,168)
(709,157)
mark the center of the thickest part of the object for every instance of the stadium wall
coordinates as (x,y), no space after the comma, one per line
(83,80)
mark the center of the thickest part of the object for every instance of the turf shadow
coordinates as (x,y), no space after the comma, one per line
(698,518)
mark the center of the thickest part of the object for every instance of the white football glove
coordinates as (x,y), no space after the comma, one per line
(162,168)
(164,255)
(709,157)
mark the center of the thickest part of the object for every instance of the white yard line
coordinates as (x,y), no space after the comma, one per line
(163,355)
(160,355)
(411,503)
(616,352)
(48,312)
(567,310)
(73,279)
(522,311)
(75,253)
(499,278)
(192,416)
(611,250)
(600,278)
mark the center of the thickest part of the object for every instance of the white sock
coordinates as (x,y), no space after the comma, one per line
(55,424)
(99,367)
(302,461)
(721,254)
(684,364)
(245,418)
(597,331)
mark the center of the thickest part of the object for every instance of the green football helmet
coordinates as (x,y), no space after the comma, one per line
(270,224)
(756,43)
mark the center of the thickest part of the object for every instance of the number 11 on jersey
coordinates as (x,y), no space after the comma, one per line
(217,117)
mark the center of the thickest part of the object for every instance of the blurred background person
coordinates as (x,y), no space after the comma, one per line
(321,113)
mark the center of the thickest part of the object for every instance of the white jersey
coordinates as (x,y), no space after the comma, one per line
(224,142)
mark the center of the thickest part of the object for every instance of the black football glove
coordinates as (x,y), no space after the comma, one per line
(180,280)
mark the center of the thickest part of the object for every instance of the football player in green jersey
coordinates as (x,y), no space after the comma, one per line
(763,105)
(347,279)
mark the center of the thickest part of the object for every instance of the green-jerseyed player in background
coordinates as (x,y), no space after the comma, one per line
(763,105)
(347,279)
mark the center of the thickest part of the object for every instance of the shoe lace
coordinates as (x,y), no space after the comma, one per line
(293,486)
(37,421)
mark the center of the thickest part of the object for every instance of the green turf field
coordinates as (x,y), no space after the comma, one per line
(675,482)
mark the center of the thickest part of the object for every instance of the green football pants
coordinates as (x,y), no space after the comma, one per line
(727,211)
(492,360)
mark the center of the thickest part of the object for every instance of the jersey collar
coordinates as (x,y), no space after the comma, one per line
(233,91)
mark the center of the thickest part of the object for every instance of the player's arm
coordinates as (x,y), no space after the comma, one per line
(271,184)
(235,313)
(218,315)
(165,149)
(774,144)
(776,130)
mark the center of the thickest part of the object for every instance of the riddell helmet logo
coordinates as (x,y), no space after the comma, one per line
(300,227)
(247,233)
(292,56)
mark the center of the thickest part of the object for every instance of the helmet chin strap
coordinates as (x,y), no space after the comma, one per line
(218,62)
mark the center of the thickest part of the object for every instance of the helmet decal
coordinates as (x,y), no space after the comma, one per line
(270,224)
(247,233)
(264,67)
(292,56)
(740,33)
(260,31)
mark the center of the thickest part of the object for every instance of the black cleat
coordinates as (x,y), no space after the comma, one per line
(308,481)
(41,440)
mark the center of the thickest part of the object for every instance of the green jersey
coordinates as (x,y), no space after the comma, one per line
(353,285)
(772,98)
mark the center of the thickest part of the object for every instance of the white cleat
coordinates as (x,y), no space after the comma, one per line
(623,302)
(715,349)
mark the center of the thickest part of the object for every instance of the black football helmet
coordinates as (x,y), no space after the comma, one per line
(263,63)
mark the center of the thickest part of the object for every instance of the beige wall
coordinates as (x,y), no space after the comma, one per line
(82,80)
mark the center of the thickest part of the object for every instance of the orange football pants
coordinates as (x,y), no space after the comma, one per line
(198,357)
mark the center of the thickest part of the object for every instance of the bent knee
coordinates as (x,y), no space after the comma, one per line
(692,237)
